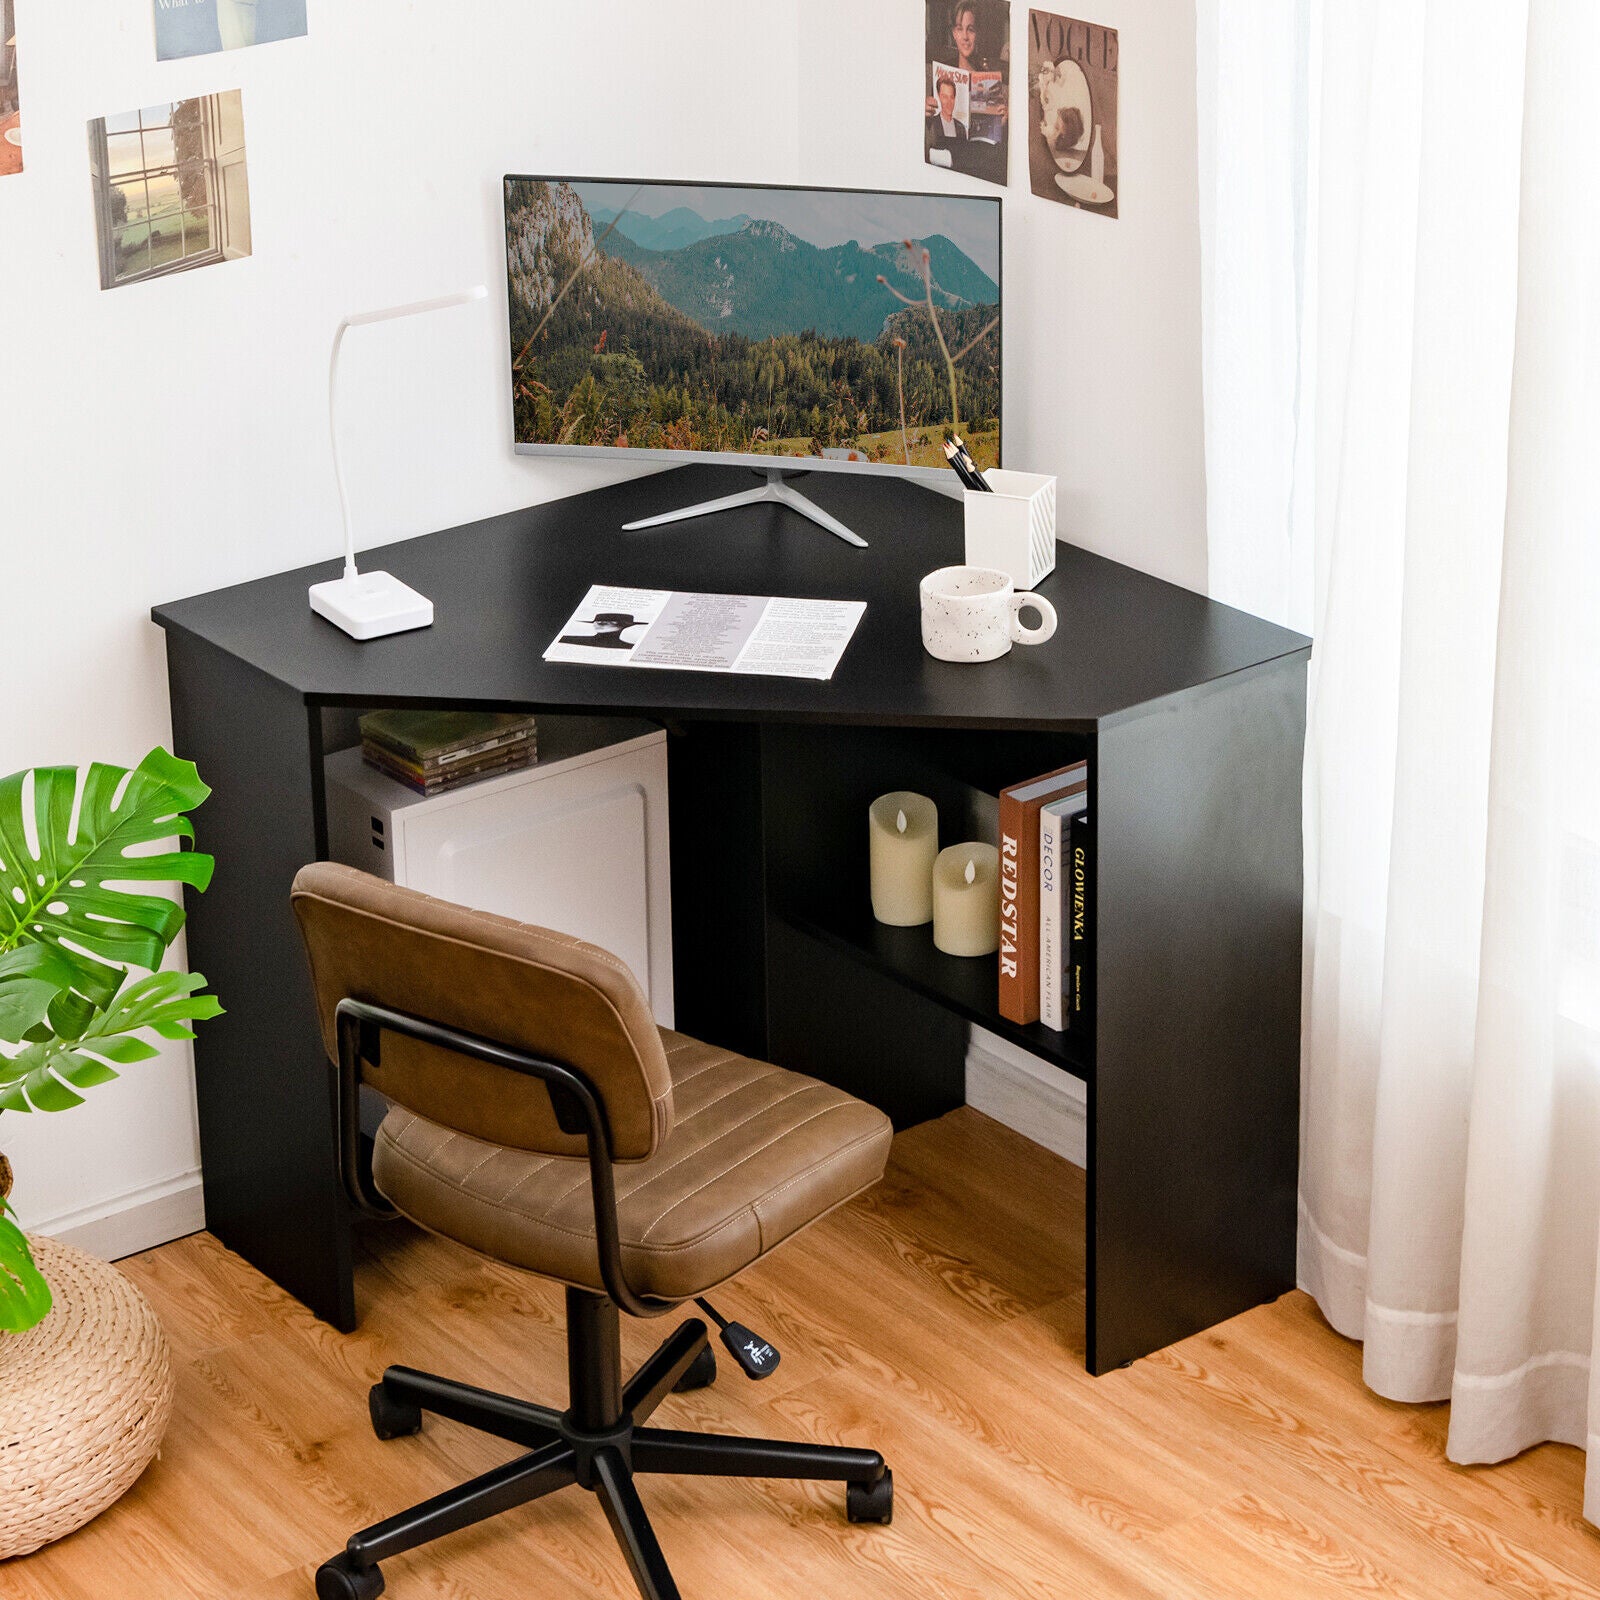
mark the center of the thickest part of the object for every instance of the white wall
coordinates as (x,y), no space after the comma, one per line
(1102,334)
(168,438)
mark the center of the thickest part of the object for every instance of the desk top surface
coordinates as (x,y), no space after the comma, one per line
(502,588)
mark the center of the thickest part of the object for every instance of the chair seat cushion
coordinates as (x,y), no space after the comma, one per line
(754,1155)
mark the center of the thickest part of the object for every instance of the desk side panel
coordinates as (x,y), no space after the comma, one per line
(1195,1103)
(262,1081)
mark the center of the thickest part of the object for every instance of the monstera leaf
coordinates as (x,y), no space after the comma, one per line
(56,886)
(32,980)
(46,1076)
(70,927)
(24,1295)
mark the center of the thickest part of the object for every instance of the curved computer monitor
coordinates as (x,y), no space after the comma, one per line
(834,329)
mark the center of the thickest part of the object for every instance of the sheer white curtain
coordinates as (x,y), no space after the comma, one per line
(1401,236)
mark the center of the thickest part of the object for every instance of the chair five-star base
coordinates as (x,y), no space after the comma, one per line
(599,1443)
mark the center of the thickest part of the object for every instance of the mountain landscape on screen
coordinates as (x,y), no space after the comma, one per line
(672,230)
(640,323)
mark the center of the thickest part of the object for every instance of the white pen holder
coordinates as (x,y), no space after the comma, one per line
(1014,528)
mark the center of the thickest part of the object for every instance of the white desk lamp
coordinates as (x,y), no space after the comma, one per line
(369,604)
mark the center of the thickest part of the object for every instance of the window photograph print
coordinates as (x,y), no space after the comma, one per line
(170,188)
(10,95)
(202,27)
(1072,112)
(968,80)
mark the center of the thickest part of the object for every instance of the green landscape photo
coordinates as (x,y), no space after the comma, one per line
(793,322)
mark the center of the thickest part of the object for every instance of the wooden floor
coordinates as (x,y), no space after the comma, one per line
(939,1319)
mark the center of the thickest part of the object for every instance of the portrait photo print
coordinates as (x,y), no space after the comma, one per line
(171,190)
(966,114)
(202,27)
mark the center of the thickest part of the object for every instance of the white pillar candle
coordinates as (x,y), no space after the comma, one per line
(966,900)
(904,833)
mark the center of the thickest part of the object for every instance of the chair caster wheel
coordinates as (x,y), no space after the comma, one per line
(342,1579)
(701,1374)
(871,1502)
(391,1418)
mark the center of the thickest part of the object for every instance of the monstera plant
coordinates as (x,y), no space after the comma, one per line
(80,945)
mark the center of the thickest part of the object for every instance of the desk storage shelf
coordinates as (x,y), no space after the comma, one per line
(964,985)
(1190,714)
(817,788)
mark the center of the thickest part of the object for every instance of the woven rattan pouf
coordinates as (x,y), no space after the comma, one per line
(84,1400)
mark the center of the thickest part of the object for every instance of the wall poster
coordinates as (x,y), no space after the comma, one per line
(201,27)
(967,85)
(1072,112)
(171,191)
(10,95)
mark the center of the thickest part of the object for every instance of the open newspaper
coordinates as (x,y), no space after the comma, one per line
(708,632)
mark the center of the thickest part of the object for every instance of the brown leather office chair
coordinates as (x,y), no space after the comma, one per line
(539,1116)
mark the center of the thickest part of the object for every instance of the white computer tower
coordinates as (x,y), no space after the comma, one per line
(576,842)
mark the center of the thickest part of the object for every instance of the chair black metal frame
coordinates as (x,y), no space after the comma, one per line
(598,1443)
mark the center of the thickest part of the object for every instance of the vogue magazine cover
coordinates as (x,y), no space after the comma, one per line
(1072,112)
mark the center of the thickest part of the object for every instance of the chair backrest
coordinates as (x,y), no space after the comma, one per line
(539,992)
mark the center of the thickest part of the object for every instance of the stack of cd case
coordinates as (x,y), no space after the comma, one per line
(433,751)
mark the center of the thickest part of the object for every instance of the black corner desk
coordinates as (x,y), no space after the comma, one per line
(1191,716)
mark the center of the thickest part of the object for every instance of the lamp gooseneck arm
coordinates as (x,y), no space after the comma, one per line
(333,439)
(361,319)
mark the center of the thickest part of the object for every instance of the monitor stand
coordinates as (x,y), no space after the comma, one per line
(774,491)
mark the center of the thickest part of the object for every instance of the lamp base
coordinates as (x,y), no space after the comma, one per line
(371,604)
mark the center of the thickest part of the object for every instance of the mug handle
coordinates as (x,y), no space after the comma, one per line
(1020,631)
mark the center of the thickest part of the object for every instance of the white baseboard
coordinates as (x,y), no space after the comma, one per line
(1033,1098)
(128,1223)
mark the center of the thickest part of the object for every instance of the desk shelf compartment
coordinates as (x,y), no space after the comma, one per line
(816,800)
(966,985)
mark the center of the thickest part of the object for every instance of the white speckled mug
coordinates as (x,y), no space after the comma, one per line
(972,614)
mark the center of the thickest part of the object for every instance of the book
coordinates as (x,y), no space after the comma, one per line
(1019,885)
(1055,822)
(434,736)
(1080,941)
(1050,869)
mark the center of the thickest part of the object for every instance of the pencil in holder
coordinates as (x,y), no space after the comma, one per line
(1013,529)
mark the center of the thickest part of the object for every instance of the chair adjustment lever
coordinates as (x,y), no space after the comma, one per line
(758,1358)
